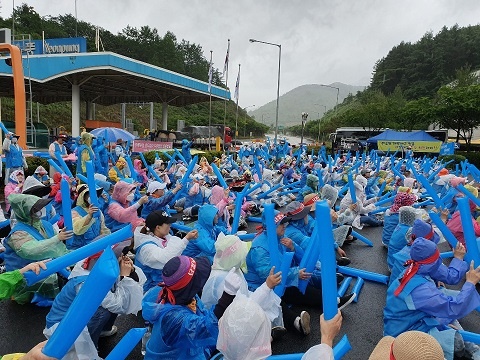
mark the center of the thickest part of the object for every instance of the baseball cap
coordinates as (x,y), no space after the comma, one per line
(156,185)
(158,218)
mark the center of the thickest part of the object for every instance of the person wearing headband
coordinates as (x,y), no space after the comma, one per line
(125,297)
(415,303)
(182,326)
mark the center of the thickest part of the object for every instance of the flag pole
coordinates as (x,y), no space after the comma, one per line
(225,70)
(210,76)
(237,93)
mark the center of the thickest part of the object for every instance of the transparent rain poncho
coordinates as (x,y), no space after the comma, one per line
(244,331)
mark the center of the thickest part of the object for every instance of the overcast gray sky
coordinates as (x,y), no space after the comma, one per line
(322,41)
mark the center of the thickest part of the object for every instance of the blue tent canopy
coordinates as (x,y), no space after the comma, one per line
(392,135)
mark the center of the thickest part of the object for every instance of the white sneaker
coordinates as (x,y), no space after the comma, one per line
(110,332)
(302,323)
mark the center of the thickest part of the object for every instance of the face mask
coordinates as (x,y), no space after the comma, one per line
(41,214)
(130,197)
(14,140)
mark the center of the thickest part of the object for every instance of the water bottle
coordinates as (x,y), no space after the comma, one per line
(146,337)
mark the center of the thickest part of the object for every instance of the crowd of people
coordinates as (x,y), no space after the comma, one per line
(204,282)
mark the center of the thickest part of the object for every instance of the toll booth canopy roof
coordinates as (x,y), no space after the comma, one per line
(106,78)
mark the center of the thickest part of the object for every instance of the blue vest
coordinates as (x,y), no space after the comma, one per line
(14,157)
(389,224)
(12,260)
(154,276)
(252,276)
(77,241)
(63,301)
(398,317)
(111,223)
(197,199)
(62,150)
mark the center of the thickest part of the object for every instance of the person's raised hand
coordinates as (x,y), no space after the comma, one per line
(473,275)
(92,209)
(126,266)
(35,267)
(273,278)
(288,243)
(303,275)
(143,200)
(341,252)
(330,328)
(192,235)
(37,354)
(64,235)
(459,251)
(232,282)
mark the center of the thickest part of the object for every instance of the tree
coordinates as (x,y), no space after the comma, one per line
(458,108)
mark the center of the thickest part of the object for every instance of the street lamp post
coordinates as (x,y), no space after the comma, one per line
(319,120)
(278,81)
(245,120)
(304,121)
(338,92)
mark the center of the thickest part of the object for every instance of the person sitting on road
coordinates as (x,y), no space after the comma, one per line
(231,253)
(363,206)
(122,210)
(118,172)
(42,175)
(182,327)
(33,239)
(196,196)
(154,246)
(455,223)
(158,199)
(204,244)
(419,229)
(415,303)
(258,264)
(124,298)
(14,186)
(403,198)
(88,220)
(398,240)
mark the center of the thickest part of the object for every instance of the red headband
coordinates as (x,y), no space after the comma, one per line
(167,291)
(297,210)
(428,236)
(278,218)
(413,267)
(312,201)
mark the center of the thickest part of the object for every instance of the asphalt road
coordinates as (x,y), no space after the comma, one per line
(362,321)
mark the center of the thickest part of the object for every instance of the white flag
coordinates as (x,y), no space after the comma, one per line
(210,75)
(237,86)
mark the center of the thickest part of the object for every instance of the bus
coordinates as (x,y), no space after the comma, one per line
(354,138)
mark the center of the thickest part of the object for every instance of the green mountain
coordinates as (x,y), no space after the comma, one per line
(314,99)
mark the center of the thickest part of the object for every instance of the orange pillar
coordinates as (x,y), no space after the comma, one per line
(19,93)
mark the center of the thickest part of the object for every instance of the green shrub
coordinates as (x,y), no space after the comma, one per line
(33,162)
(472,156)
(457,159)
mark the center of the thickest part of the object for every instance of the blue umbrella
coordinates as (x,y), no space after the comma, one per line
(112,134)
